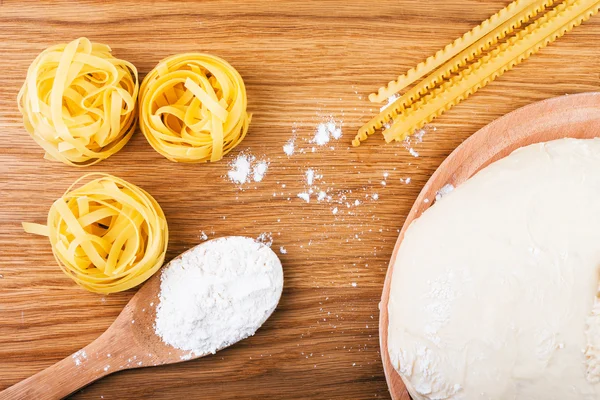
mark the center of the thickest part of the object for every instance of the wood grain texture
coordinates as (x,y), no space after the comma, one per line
(128,343)
(302,63)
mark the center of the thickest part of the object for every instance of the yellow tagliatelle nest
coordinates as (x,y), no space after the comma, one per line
(79,102)
(193,108)
(107,235)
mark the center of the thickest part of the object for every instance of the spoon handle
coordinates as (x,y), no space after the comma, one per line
(66,376)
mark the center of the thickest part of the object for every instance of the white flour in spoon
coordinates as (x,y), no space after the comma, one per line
(217,294)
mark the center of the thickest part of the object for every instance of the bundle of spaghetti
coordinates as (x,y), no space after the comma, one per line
(107,235)
(511,41)
(536,36)
(518,11)
(469,52)
(79,102)
(193,108)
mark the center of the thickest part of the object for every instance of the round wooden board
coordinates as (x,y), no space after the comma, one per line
(576,116)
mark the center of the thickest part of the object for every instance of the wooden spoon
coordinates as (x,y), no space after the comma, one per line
(130,342)
(575,116)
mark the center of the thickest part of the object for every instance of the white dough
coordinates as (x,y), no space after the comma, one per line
(494,290)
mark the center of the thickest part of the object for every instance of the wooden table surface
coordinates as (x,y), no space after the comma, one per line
(303,63)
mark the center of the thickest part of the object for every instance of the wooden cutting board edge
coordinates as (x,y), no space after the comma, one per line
(565,116)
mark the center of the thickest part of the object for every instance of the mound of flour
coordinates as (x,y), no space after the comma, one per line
(218,293)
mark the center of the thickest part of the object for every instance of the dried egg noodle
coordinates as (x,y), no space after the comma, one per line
(107,235)
(79,102)
(193,108)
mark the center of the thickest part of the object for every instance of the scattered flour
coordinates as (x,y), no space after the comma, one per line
(413,152)
(289,148)
(321,136)
(418,135)
(444,190)
(390,100)
(240,169)
(282,250)
(265,238)
(385,176)
(245,166)
(203,235)
(336,132)
(79,357)
(304,196)
(326,131)
(260,169)
(310,176)
(216,294)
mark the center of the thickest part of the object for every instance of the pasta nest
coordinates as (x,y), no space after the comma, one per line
(107,235)
(79,102)
(193,108)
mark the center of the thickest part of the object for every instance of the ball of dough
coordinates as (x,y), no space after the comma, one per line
(494,292)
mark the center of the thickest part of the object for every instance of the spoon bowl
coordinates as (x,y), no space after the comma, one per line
(130,342)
